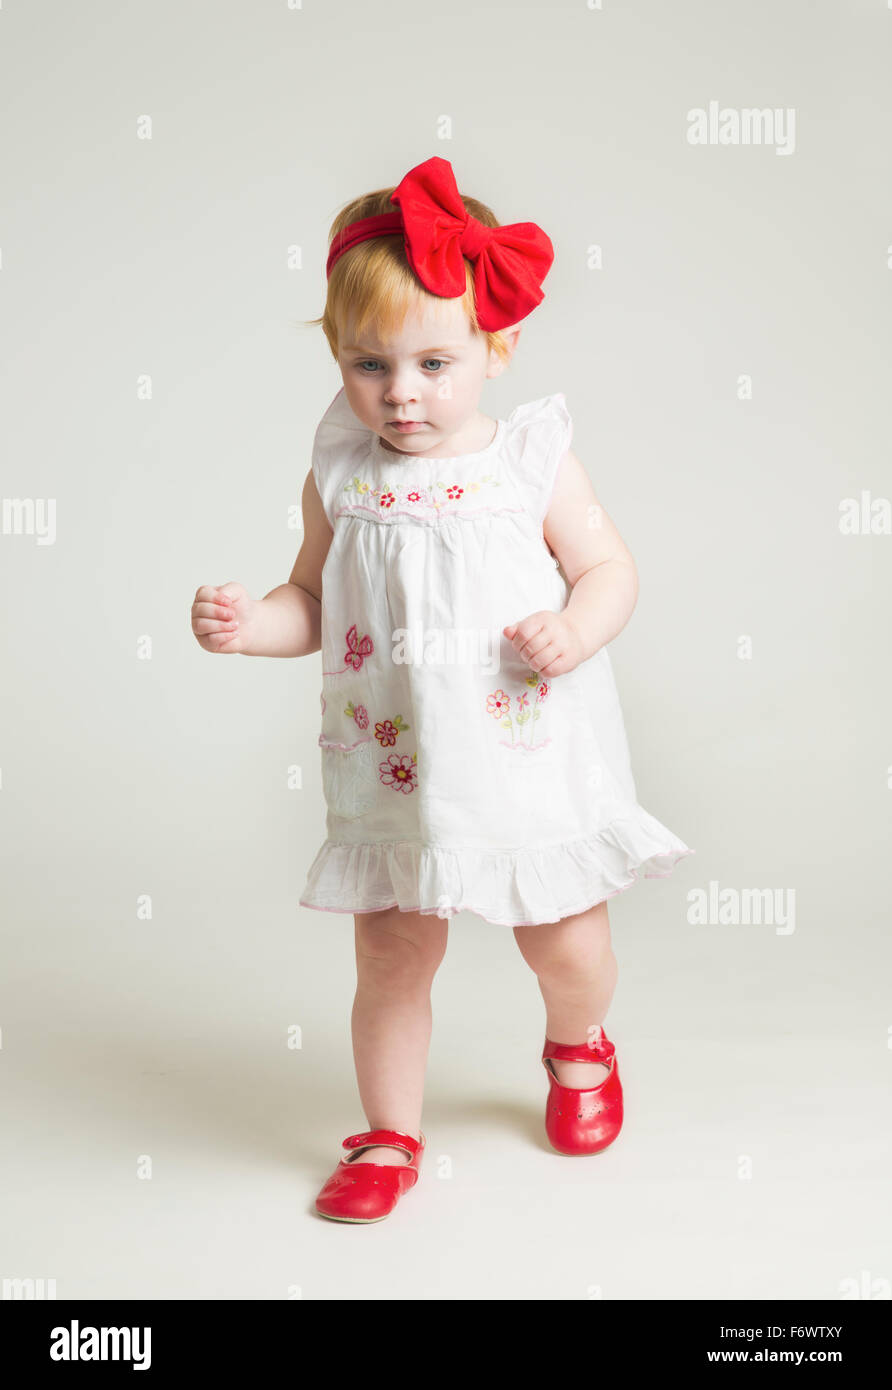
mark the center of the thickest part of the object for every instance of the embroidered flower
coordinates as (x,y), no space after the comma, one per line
(358,648)
(358,713)
(399,772)
(419,499)
(520,726)
(386,732)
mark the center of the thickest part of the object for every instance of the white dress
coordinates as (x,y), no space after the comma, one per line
(454,777)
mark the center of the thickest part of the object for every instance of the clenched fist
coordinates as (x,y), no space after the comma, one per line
(221,618)
(548,642)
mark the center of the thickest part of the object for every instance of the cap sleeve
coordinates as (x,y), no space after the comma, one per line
(539,435)
(340,442)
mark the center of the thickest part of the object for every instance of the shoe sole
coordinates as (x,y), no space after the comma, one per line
(354,1220)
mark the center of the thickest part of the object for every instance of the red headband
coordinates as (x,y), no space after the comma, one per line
(509,263)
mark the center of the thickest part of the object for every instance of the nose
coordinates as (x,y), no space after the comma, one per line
(402,388)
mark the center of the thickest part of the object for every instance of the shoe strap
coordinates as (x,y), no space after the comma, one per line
(596,1048)
(383,1139)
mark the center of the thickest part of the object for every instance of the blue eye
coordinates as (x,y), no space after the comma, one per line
(374,364)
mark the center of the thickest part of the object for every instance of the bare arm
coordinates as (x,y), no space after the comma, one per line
(287,621)
(594,557)
(602,574)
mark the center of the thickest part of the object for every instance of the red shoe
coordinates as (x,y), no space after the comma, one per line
(364,1192)
(583,1121)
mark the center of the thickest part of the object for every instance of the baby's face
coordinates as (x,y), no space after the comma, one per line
(431,373)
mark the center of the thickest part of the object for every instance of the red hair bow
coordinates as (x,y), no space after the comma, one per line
(509,263)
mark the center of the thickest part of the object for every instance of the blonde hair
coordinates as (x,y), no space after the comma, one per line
(375,281)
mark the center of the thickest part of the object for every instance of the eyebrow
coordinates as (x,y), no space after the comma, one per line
(354,347)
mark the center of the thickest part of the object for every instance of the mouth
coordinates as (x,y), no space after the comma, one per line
(405,426)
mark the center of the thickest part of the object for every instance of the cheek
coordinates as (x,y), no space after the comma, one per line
(358,398)
(356,386)
(455,392)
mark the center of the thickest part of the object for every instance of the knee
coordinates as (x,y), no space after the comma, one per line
(567,956)
(394,957)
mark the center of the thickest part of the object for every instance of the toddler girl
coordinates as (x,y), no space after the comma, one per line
(462,582)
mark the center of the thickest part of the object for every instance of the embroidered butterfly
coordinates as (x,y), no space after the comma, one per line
(358,648)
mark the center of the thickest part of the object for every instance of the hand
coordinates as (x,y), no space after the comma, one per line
(548,642)
(221,618)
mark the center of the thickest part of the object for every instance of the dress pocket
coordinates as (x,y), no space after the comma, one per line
(349,778)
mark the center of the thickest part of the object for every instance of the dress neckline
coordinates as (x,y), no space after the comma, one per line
(377,450)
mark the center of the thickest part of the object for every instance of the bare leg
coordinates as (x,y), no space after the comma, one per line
(397,956)
(574,963)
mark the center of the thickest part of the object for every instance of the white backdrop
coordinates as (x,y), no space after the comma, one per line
(717,317)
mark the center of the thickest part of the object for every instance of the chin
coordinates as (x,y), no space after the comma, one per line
(401,448)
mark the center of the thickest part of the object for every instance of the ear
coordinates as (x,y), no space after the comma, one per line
(496,366)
